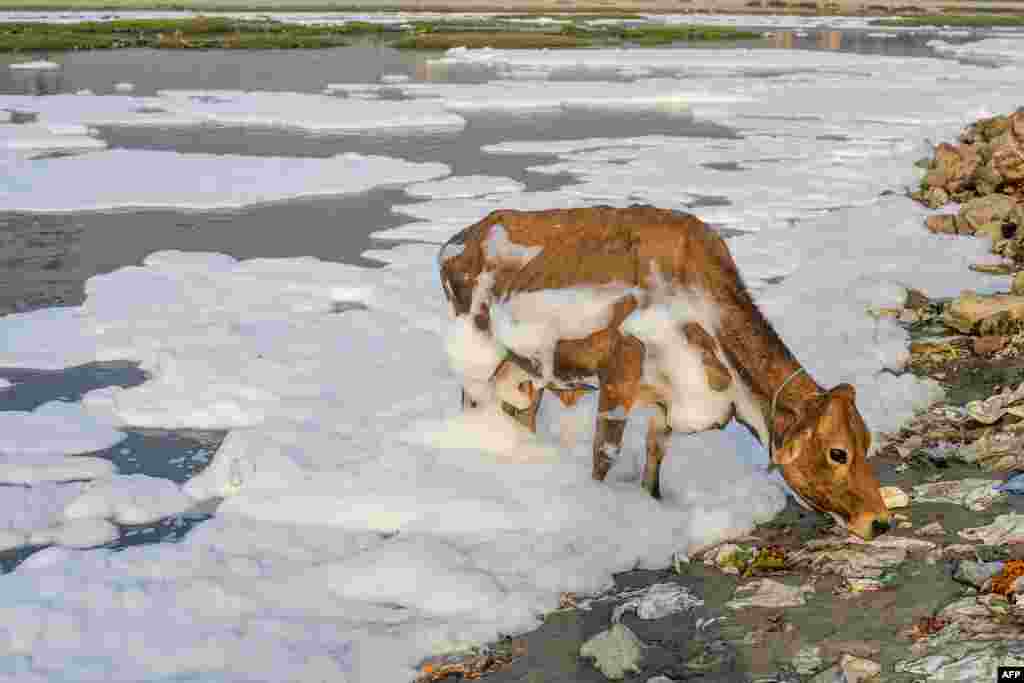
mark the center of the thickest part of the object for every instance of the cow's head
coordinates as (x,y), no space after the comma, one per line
(823,457)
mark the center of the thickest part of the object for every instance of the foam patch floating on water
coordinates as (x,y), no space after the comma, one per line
(37,136)
(464,186)
(77,533)
(54,428)
(32,469)
(41,65)
(129,499)
(193,181)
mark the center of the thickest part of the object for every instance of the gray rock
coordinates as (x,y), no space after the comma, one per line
(615,651)
(808,660)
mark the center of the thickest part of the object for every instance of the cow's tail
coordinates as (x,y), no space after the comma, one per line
(446,277)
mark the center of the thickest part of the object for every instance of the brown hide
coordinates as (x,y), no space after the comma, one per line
(604,245)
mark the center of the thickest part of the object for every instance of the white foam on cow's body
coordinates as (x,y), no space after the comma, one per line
(532,323)
(474,356)
(346,428)
(677,367)
(499,248)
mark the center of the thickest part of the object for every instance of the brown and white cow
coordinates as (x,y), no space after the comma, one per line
(723,360)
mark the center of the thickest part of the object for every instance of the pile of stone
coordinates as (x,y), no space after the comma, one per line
(985,325)
(984,173)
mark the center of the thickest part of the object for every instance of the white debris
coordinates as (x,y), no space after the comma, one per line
(658,600)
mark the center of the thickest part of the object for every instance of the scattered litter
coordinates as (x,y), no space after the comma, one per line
(1008,528)
(738,560)
(768,593)
(657,601)
(990,410)
(974,494)
(996,451)
(976,573)
(894,497)
(850,560)
(964,663)
(808,660)
(1006,581)
(1014,484)
(933,529)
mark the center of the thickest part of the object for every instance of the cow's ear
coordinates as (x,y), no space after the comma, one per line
(844,390)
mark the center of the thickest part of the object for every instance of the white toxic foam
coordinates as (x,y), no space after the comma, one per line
(465,186)
(54,428)
(194,181)
(40,65)
(129,499)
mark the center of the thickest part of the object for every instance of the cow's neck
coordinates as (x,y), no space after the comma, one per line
(763,363)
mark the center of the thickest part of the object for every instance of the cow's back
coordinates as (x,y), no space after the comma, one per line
(587,246)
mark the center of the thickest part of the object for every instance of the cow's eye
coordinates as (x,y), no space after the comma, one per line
(838,455)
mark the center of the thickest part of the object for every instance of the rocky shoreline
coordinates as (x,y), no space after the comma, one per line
(799,600)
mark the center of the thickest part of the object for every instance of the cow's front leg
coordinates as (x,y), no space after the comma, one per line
(620,382)
(657,431)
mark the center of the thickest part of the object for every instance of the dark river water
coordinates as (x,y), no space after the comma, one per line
(46,258)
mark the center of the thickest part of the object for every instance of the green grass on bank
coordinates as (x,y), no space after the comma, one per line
(505,40)
(574,17)
(194,33)
(663,35)
(955,20)
(442,36)
(204,32)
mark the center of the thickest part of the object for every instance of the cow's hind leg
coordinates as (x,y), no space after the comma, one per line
(467,402)
(657,431)
(620,381)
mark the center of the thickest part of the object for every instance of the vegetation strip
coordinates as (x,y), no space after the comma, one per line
(198,32)
(204,32)
(495,39)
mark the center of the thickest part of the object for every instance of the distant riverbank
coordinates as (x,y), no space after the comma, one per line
(612,7)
